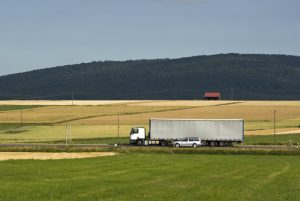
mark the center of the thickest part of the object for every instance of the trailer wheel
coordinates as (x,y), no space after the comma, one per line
(177,145)
(164,143)
(195,145)
(212,143)
(222,144)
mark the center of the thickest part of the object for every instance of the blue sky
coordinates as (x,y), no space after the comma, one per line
(38,34)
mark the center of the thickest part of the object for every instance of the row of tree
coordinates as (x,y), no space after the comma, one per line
(236,76)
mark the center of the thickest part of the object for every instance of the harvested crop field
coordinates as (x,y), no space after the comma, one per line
(182,103)
(50,156)
(66,102)
(40,121)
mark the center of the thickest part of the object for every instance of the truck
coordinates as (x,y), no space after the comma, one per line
(211,132)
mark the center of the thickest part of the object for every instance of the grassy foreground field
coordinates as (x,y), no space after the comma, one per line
(44,121)
(153,177)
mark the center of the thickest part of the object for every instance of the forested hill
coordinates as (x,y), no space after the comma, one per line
(236,76)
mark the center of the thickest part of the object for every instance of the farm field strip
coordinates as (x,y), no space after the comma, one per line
(68,102)
(172,177)
(61,114)
(279,131)
(286,139)
(182,103)
(50,156)
(59,132)
(48,122)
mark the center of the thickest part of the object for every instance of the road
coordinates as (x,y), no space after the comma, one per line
(16,145)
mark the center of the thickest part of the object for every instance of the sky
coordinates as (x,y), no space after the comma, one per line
(40,34)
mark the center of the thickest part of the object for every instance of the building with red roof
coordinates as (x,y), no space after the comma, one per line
(212,96)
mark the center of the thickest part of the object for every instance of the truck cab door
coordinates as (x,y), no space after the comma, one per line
(137,133)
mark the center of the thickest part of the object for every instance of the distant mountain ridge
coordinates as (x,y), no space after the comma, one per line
(236,76)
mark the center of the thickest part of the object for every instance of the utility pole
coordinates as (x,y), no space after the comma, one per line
(68,134)
(21,118)
(274,121)
(72,98)
(118,128)
(173,93)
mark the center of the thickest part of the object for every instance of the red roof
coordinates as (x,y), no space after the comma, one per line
(212,94)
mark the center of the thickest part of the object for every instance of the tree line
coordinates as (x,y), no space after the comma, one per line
(236,76)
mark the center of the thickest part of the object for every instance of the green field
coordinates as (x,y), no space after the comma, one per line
(285,139)
(17,107)
(153,177)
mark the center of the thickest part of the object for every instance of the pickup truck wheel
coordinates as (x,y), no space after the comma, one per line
(177,145)
(194,145)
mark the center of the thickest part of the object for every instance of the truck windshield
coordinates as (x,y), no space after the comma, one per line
(134,131)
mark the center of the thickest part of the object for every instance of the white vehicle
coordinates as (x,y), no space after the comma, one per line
(212,132)
(188,142)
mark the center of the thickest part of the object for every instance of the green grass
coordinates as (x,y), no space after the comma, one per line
(47,133)
(112,140)
(153,177)
(269,139)
(239,150)
(109,140)
(18,107)
(7,126)
(258,125)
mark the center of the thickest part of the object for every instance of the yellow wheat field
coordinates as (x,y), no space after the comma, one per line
(100,118)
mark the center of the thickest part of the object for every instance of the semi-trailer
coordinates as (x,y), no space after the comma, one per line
(211,132)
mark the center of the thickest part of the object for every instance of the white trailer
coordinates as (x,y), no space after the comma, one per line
(213,132)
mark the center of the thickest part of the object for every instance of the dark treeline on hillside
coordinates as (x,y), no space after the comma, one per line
(236,76)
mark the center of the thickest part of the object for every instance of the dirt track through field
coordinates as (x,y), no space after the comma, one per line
(289,132)
(50,156)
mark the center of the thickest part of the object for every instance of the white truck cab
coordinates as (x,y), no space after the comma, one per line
(137,136)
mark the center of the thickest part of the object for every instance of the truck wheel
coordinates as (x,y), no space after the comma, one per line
(222,144)
(177,145)
(194,145)
(139,142)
